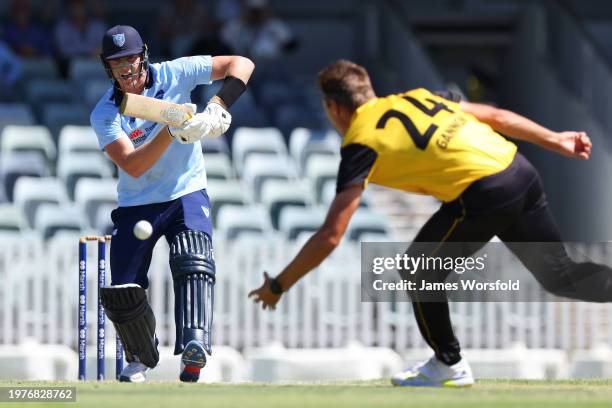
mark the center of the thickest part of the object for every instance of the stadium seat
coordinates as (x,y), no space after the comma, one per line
(279,194)
(375,237)
(232,221)
(91,194)
(28,138)
(57,115)
(260,167)
(247,141)
(216,145)
(11,218)
(51,218)
(31,192)
(366,221)
(304,142)
(253,117)
(39,68)
(223,193)
(289,117)
(328,193)
(18,164)
(320,169)
(39,91)
(73,166)
(16,114)
(295,220)
(86,69)
(218,167)
(103,224)
(272,94)
(77,139)
(93,90)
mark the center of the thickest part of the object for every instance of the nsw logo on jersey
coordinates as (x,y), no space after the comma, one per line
(137,136)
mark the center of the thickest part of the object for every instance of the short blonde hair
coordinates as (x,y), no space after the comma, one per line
(346,83)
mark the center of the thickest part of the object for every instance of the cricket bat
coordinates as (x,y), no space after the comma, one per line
(155,110)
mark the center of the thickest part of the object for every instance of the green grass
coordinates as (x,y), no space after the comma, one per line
(379,394)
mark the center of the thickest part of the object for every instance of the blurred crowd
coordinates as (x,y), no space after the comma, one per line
(65,29)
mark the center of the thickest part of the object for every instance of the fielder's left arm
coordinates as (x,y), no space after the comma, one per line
(316,249)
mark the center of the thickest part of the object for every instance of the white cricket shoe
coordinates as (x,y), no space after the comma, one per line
(134,372)
(434,373)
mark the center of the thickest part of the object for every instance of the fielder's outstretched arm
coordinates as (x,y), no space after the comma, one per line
(316,249)
(571,144)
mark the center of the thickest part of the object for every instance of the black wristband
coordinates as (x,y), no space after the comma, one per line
(231,90)
(275,287)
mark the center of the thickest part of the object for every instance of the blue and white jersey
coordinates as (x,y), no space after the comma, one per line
(180,170)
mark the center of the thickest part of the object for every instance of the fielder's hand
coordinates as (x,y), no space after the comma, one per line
(574,144)
(265,295)
(213,122)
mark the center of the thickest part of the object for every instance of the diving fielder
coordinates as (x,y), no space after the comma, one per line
(436,144)
(162,180)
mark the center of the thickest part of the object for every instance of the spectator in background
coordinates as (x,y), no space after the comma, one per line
(258,34)
(208,41)
(179,25)
(10,72)
(78,35)
(25,37)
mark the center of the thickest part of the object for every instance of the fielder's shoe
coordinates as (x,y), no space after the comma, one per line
(192,361)
(134,372)
(434,373)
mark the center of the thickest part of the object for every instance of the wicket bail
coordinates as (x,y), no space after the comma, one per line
(101,339)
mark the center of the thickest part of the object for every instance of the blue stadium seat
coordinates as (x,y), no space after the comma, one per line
(103,224)
(93,90)
(43,91)
(218,167)
(86,69)
(57,115)
(19,164)
(221,193)
(12,218)
(247,141)
(31,192)
(304,142)
(289,117)
(77,139)
(39,68)
(365,221)
(279,194)
(328,193)
(51,218)
(91,194)
(319,169)
(215,145)
(232,221)
(28,138)
(260,167)
(16,114)
(295,220)
(73,166)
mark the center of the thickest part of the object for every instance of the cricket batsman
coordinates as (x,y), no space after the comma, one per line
(162,180)
(437,144)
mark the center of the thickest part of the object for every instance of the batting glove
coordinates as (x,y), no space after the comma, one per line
(212,122)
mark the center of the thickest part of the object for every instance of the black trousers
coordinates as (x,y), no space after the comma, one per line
(512,205)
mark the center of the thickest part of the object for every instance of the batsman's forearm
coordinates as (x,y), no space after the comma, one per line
(144,157)
(316,249)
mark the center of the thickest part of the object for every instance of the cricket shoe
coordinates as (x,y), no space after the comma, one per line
(192,361)
(134,372)
(434,373)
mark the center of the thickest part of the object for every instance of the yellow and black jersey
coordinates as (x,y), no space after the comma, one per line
(420,142)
